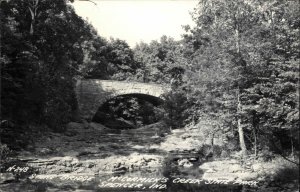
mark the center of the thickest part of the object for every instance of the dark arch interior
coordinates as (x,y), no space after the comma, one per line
(129,111)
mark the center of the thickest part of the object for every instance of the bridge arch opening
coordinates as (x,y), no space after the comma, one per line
(129,111)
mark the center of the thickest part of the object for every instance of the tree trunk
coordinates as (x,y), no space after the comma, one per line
(237,33)
(239,105)
(212,142)
(33,11)
(237,39)
(255,128)
(31,28)
(240,128)
(241,137)
(255,142)
(292,144)
(212,135)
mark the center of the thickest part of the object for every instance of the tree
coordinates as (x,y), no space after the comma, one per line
(175,107)
(231,50)
(159,62)
(42,49)
(121,64)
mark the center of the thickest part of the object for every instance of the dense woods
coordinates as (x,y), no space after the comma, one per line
(244,65)
(236,71)
(45,48)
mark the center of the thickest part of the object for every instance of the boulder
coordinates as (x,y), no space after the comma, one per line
(257,167)
(185,163)
(71,133)
(235,168)
(58,169)
(186,136)
(6,177)
(96,126)
(74,126)
(209,165)
(138,147)
(193,159)
(248,176)
(233,161)
(121,169)
(119,123)
(45,151)
(68,161)
(219,176)
(210,171)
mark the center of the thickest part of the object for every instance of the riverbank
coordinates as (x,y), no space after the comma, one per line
(274,174)
(90,149)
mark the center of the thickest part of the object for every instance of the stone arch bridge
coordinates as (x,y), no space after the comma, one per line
(92,93)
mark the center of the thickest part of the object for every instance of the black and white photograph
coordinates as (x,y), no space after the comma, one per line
(149,95)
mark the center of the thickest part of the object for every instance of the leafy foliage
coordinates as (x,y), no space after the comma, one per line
(129,109)
(46,46)
(159,62)
(243,56)
(40,57)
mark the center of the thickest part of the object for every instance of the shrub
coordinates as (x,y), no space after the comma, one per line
(285,171)
(225,154)
(217,151)
(175,107)
(4,152)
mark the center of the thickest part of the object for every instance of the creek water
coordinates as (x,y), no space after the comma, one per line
(124,142)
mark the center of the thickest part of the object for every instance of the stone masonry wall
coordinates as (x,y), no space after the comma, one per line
(92,93)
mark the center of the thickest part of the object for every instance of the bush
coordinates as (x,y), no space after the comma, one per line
(206,150)
(266,155)
(60,102)
(285,171)
(287,174)
(225,154)
(4,152)
(217,151)
(175,107)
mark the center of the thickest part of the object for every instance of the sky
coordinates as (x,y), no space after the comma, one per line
(137,20)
